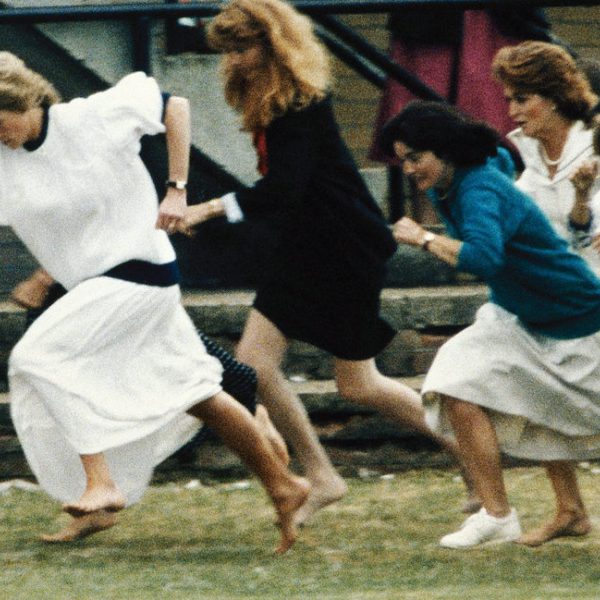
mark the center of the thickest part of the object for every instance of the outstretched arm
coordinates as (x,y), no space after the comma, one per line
(177,125)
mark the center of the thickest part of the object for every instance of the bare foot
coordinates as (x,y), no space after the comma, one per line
(287,505)
(97,498)
(277,442)
(322,494)
(564,525)
(81,527)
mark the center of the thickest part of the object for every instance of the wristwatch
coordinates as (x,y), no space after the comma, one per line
(427,239)
(178,185)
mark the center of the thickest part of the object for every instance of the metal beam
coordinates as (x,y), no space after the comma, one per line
(101,12)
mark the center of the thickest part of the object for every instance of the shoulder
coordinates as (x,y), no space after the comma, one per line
(135,89)
(486,179)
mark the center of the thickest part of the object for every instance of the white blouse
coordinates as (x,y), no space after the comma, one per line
(83,201)
(556,196)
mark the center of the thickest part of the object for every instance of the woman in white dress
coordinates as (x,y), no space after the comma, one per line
(113,377)
(552,103)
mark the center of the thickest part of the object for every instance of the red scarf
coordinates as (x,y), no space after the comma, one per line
(259,139)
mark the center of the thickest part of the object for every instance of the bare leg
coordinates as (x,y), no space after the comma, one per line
(571,517)
(263,347)
(240,432)
(361,382)
(277,442)
(81,527)
(100,493)
(477,440)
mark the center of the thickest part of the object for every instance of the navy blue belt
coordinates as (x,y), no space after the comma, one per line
(146,273)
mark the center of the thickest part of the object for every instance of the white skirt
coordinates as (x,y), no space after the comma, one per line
(111,367)
(542,394)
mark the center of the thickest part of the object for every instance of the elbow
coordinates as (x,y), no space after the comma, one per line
(177,108)
(179,102)
(479,262)
(488,267)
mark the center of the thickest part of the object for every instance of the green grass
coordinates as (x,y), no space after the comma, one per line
(379,543)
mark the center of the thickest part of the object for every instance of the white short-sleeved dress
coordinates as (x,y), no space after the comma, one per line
(113,365)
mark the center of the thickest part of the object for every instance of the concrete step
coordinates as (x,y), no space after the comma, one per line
(424,318)
(356,438)
(224,258)
(320,398)
(224,312)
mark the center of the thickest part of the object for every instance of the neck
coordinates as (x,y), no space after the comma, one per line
(445,181)
(553,143)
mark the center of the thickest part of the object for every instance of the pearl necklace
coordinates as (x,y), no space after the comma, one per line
(547,160)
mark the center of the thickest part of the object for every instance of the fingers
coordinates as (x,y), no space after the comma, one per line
(583,177)
(169,224)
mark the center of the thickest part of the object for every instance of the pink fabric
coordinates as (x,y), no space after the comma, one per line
(477,93)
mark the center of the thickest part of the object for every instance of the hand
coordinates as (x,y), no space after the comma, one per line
(199,213)
(407,231)
(172,210)
(583,177)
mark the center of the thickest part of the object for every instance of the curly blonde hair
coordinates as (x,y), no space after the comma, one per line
(21,88)
(295,69)
(547,70)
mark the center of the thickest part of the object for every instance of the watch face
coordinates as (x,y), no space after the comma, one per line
(179,185)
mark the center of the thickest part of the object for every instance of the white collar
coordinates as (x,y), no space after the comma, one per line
(578,144)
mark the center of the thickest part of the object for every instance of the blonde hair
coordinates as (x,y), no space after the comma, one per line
(549,71)
(21,88)
(295,71)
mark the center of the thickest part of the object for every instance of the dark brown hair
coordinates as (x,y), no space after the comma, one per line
(443,130)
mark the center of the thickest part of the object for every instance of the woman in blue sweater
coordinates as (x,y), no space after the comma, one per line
(525,377)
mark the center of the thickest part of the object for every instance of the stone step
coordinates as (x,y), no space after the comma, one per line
(320,398)
(424,318)
(224,312)
(222,258)
(355,437)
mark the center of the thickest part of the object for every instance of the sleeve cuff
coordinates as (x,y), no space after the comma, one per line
(233,212)
(577,227)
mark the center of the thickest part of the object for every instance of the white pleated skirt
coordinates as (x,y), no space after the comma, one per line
(542,394)
(111,367)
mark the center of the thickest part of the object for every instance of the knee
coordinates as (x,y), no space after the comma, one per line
(262,368)
(247,356)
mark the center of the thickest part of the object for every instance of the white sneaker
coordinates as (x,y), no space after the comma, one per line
(482,528)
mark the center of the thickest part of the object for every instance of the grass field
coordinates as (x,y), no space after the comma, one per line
(216,542)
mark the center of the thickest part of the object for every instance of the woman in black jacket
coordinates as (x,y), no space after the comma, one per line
(322,282)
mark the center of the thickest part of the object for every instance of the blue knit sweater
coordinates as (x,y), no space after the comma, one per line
(509,243)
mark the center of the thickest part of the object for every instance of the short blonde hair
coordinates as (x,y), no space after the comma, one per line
(21,88)
(547,70)
(296,69)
